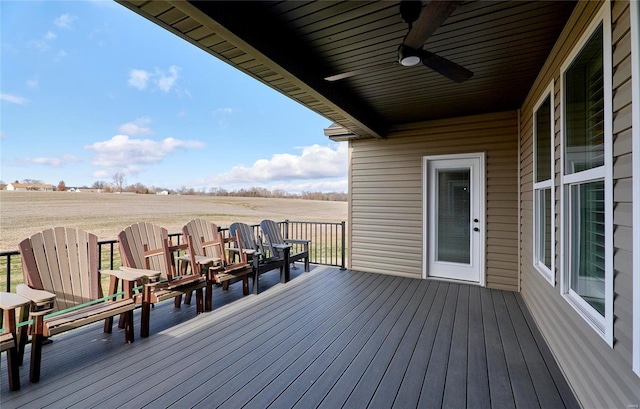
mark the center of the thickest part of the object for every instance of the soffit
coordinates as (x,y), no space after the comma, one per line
(293,45)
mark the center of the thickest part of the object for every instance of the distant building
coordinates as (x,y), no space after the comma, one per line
(41,187)
(163,192)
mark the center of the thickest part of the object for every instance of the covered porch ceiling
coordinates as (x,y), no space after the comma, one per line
(293,46)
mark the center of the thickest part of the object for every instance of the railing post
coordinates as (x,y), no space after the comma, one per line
(286,229)
(111,256)
(343,266)
(9,273)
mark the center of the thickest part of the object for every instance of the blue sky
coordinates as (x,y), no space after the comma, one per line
(89,89)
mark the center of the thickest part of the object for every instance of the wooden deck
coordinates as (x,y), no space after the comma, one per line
(328,338)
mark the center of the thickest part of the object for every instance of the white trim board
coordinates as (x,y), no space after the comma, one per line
(635,98)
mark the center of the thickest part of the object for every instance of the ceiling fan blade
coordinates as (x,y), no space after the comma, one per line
(431,17)
(445,67)
(365,70)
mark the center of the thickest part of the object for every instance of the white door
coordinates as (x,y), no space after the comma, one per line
(454,217)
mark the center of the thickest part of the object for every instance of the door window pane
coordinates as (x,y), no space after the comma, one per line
(453,242)
(587,235)
(584,108)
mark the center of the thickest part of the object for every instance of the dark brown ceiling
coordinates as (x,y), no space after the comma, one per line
(293,45)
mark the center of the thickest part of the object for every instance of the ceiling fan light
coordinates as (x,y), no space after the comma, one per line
(408,56)
(410,61)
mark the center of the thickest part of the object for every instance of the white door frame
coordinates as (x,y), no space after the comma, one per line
(481,236)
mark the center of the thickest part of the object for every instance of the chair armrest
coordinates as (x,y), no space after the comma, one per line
(178,247)
(144,272)
(206,244)
(282,246)
(42,301)
(248,252)
(36,296)
(11,301)
(125,274)
(297,241)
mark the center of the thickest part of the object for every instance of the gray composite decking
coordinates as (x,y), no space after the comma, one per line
(328,338)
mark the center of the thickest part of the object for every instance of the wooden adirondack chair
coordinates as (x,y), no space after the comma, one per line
(9,303)
(145,249)
(277,244)
(260,263)
(200,258)
(207,253)
(61,272)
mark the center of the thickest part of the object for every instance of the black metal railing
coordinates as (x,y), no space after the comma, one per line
(327,247)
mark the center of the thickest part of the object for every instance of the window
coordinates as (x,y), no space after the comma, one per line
(544,197)
(587,179)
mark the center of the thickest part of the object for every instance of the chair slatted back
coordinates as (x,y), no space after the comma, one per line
(244,232)
(202,231)
(140,239)
(63,261)
(272,235)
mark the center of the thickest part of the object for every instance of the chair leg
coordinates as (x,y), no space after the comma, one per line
(199,301)
(128,327)
(22,334)
(108,324)
(177,300)
(13,368)
(36,357)
(256,283)
(245,284)
(187,298)
(209,297)
(145,314)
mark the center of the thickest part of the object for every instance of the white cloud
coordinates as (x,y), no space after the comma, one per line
(315,162)
(128,155)
(43,44)
(13,99)
(54,162)
(223,111)
(165,81)
(136,128)
(339,185)
(139,79)
(65,21)
(33,83)
(100,174)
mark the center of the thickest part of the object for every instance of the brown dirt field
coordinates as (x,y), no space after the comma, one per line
(106,214)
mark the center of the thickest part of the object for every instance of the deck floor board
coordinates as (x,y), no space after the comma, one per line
(329,338)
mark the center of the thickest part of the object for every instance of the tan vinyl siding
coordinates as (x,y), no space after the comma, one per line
(599,375)
(386,194)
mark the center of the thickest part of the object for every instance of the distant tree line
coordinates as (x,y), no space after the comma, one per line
(119,185)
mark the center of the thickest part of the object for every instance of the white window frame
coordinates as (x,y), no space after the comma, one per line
(547,274)
(635,98)
(603,326)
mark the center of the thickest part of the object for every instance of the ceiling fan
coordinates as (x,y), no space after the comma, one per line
(422,23)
